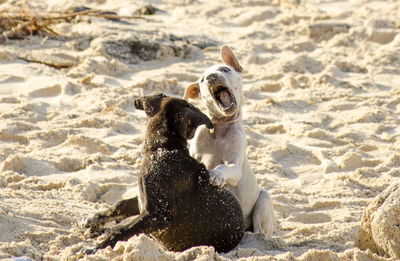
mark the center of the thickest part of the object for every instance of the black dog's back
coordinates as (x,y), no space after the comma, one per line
(198,213)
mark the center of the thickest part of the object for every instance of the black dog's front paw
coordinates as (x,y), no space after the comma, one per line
(95,220)
(94,224)
(88,251)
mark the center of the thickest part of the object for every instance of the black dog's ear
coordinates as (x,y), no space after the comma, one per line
(193,118)
(149,104)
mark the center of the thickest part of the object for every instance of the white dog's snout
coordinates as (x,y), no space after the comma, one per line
(212,78)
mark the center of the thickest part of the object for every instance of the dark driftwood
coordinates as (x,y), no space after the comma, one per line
(55,60)
(23,21)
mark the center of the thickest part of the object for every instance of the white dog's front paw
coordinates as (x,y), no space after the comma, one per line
(217,178)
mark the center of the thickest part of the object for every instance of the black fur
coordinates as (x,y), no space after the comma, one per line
(178,205)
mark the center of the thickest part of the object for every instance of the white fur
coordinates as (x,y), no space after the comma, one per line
(223,150)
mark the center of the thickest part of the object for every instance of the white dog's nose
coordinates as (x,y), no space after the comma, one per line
(212,78)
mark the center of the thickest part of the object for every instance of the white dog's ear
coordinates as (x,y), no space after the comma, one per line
(192,91)
(230,59)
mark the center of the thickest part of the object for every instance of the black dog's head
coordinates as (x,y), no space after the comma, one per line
(172,117)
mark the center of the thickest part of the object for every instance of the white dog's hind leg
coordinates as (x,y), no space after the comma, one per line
(263,214)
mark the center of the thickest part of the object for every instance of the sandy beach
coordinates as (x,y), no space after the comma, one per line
(321,113)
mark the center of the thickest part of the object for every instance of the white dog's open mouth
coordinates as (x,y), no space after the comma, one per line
(223,96)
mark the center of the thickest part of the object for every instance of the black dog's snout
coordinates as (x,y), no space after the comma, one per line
(212,78)
(138,104)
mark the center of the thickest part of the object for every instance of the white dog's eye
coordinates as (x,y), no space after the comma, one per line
(226,69)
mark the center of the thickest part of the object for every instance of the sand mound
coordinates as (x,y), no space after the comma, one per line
(379,230)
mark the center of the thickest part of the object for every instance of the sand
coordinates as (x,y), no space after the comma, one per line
(321,112)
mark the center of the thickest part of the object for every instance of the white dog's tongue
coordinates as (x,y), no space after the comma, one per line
(225,98)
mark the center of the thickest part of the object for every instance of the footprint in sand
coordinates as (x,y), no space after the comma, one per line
(352,160)
(109,193)
(311,218)
(321,31)
(382,36)
(28,166)
(350,66)
(52,91)
(268,86)
(302,64)
(90,145)
(10,137)
(292,157)
(249,17)
(8,78)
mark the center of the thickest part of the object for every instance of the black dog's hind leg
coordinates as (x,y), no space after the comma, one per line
(121,210)
(146,223)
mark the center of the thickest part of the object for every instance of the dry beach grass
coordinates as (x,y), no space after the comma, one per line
(321,113)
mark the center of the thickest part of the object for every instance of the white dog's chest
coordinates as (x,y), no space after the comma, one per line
(211,150)
(205,148)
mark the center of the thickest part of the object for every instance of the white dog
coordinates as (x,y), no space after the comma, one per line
(223,149)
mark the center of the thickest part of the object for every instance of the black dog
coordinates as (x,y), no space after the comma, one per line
(177,204)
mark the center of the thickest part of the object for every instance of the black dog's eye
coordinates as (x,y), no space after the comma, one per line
(226,69)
